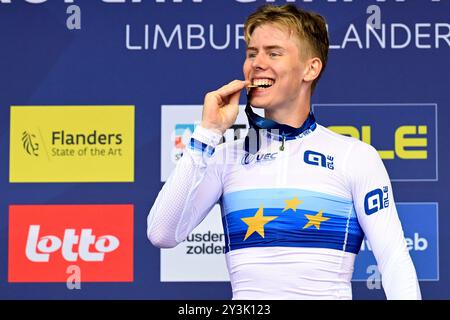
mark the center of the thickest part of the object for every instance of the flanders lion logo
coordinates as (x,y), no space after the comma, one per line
(29,145)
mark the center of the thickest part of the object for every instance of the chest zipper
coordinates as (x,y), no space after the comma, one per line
(282,143)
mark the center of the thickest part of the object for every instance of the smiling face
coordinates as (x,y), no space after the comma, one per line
(274,60)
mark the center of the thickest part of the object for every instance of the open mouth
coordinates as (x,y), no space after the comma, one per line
(262,83)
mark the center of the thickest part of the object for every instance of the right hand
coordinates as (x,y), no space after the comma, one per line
(221,107)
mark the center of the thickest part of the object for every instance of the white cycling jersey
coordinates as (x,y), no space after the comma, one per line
(294,211)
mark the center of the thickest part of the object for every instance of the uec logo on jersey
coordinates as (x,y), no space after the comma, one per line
(318,159)
(376,200)
(260,157)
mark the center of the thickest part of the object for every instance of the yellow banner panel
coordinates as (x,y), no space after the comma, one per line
(72,144)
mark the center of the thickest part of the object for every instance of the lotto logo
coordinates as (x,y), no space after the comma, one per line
(44,240)
(38,249)
(376,200)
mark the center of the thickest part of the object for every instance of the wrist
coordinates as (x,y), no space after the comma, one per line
(209,136)
(214,128)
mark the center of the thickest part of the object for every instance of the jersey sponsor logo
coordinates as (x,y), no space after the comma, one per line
(376,200)
(258,158)
(95,142)
(45,240)
(405,135)
(318,159)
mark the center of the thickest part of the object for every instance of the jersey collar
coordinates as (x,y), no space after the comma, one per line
(283,130)
(275,130)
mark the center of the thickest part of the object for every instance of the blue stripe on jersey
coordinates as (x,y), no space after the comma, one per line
(275,198)
(290,228)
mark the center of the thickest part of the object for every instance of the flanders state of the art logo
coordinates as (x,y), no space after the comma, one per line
(72,144)
(30,144)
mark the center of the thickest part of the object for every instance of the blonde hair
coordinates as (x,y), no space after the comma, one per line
(308,26)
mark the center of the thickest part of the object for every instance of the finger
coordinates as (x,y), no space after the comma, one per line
(231,88)
(234,98)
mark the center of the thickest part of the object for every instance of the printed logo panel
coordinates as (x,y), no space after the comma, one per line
(72,144)
(405,135)
(420,225)
(45,240)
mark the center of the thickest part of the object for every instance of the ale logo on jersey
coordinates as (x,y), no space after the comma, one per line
(318,159)
(404,134)
(72,144)
(44,240)
(376,200)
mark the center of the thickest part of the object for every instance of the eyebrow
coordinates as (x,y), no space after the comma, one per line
(265,48)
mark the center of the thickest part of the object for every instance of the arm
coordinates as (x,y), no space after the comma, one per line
(375,207)
(195,185)
(188,195)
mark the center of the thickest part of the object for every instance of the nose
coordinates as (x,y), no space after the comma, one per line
(259,62)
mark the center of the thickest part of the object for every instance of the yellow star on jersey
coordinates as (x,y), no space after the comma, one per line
(315,220)
(256,223)
(292,204)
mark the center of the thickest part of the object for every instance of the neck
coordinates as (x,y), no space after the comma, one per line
(293,116)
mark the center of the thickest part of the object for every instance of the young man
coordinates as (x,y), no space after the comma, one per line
(296,198)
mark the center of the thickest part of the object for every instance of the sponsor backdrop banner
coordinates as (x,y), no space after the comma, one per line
(99,98)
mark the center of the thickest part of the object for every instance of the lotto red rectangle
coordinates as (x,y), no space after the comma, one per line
(45,240)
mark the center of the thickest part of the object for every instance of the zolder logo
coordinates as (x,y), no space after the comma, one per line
(45,240)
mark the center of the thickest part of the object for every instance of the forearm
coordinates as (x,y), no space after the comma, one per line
(400,280)
(167,212)
(187,196)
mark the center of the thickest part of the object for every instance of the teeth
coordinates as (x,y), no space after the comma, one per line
(263,82)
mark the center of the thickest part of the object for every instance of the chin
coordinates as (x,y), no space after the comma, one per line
(257,103)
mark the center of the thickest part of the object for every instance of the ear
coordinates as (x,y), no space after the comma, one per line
(312,70)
